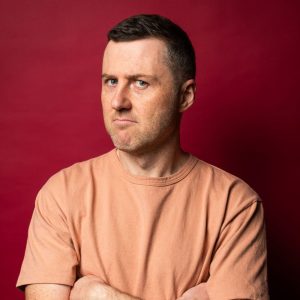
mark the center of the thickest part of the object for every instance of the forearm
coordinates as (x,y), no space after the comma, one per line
(47,292)
(116,295)
(91,288)
(106,292)
(197,292)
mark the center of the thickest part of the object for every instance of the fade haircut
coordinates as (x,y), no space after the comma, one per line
(181,54)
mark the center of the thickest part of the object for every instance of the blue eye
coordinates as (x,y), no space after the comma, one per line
(111,82)
(141,84)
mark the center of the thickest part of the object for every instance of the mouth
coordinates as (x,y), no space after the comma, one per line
(123,121)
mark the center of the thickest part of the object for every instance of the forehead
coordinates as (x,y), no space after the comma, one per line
(140,56)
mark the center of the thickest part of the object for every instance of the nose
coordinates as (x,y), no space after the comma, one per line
(120,100)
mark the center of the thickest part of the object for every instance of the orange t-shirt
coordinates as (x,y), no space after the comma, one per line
(152,238)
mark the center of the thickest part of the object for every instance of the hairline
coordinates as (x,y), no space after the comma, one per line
(167,54)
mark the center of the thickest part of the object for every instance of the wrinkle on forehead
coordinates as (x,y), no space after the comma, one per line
(146,56)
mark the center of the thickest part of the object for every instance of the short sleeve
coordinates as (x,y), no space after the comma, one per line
(239,269)
(50,256)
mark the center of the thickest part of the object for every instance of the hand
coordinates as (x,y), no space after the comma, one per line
(197,292)
(90,287)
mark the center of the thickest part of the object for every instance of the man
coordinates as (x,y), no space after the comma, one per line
(146,220)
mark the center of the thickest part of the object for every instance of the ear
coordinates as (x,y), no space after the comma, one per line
(187,95)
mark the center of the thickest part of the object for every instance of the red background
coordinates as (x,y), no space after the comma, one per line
(245,120)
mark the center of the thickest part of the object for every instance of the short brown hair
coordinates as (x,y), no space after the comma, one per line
(181,54)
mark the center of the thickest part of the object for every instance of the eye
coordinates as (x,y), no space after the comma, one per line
(141,84)
(111,82)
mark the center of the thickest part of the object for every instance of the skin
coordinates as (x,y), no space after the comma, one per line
(47,292)
(195,293)
(91,288)
(132,90)
(142,108)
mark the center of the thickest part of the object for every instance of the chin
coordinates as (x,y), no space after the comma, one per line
(134,149)
(123,143)
(127,148)
(135,146)
(123,146)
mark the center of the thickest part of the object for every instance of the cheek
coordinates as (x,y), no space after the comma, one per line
(105,96)
(164,107)
(105,104)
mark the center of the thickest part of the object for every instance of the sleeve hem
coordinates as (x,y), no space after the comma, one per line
(22,284)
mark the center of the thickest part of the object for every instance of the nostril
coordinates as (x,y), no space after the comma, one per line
(121,103)
(123,110)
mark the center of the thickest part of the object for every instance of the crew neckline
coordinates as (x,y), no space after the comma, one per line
(154,181)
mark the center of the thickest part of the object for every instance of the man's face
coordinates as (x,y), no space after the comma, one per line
(139,100)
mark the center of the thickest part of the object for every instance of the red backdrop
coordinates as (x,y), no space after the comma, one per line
(245,120)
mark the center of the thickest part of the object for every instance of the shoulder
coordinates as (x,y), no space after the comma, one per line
(73,180)
(225,187)
(227,197)
(78,172)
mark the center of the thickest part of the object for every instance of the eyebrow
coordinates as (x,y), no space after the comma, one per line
(131,77)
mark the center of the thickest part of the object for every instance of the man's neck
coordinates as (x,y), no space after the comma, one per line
(159,163)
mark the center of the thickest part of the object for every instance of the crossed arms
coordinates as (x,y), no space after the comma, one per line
(90,288)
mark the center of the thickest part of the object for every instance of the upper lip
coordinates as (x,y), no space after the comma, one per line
(123,119)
